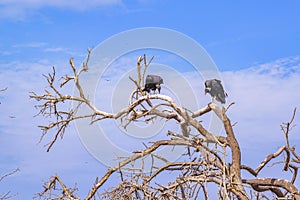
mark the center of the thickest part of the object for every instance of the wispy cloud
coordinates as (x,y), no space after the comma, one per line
(19,9)
(284,67)
(56,49)
(30,45)
(41,47)
(65,51)
(59,3)
(6,53)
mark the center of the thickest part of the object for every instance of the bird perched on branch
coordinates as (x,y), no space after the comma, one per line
(216,90)
(152,83)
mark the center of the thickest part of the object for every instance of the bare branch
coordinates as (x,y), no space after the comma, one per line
(51,187)
(129,160)
(9,174)
(264,162)
(271,182)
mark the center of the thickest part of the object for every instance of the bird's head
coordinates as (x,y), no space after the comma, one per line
(207,90)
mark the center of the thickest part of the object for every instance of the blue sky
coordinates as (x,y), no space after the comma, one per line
(254,44)
(248,32)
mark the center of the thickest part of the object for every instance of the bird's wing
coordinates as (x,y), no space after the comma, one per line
(154,79)
(221,98)
(217,86)
(161,81)
(149,79)
(218,90)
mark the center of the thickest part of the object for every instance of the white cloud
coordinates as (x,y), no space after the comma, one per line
(265,96)
(267,88)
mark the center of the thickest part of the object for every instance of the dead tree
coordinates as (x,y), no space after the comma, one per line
(194,174)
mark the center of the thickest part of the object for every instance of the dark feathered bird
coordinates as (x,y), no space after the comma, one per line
(152,83)
(216,90)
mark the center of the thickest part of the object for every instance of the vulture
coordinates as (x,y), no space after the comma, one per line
(152,83)
(215,89)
